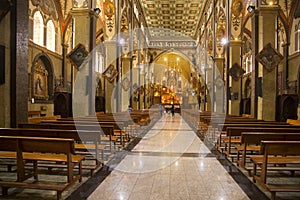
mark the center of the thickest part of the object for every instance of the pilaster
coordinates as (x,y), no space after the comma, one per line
(209,92)
(126,74)
(235,57)
(19,60)
(219,85)
(267,34)
(84,23)
(110,98)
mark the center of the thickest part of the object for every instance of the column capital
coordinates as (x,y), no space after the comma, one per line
(83,12)
(235,43)
(109,42)
(126,58)
(219,59)
(268,9)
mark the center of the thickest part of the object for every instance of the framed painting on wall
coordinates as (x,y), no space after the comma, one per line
(40,85)
(77,55)
(110,73)
(125,84)
(236,71)
(269,57)
(39,81)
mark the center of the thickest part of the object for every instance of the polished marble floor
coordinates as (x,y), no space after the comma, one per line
(169,162)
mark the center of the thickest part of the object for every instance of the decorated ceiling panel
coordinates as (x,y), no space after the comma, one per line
(172,18)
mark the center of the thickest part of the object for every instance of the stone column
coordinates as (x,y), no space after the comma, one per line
(19,60)
(254,82)
(219,85)
(135,81)
(209,91)
(126,74)
(267,34)
(64,71)
(110,97)
(84,23)
(235,57)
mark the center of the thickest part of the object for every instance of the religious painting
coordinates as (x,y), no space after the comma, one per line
(269,57)
(77,55)
(110,73)
(237,7)
(40,81)
(236,71)
(109,8)
(125,84)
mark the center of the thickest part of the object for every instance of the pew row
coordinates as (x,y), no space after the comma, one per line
(280,153)
(36,149)
(87,143)
(250,143)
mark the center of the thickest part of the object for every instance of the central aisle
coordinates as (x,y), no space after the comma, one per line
(170,162)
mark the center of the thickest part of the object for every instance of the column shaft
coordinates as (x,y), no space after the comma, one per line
(235,53)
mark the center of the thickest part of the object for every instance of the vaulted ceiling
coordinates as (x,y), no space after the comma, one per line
(172,18)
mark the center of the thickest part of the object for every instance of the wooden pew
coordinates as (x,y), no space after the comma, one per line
(119,134)
(32,113)
(105,129)
(276,152)
(223,127)
(251,142)
(88,143)
(35,120)
(293,121)
(233,134)
(37,149)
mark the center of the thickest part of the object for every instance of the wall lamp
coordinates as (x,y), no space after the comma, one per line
(97,11)
(251,9)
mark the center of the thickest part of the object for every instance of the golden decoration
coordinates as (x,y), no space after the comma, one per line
(109,8)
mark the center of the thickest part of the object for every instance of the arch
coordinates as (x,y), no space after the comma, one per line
(297,37)
(51,36)
(172,51)
(38,28)
(45,59)
(289,111)
(65,30)
(291,18)
(247,88)
(100,97)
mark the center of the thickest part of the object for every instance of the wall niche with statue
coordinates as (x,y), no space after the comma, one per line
(42,80)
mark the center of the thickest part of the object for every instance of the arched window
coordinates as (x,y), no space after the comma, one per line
(297,37)
(50,36)
(38,28)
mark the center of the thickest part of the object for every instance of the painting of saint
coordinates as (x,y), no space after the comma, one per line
(39,88)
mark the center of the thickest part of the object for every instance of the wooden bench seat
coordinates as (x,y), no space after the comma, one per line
(105,127)
(276,153)
(232,132)
(251,142)
(90,138)
(104,130)
(36,149)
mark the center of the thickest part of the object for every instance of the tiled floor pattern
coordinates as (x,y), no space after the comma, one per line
(170,162)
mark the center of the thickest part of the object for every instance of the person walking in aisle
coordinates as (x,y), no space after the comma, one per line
(173,110)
